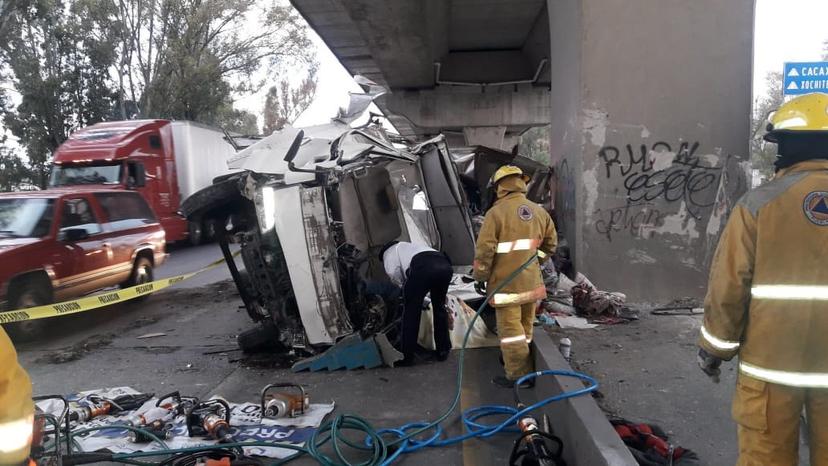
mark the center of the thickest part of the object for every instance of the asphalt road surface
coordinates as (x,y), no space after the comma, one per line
(196,353)
(184,259)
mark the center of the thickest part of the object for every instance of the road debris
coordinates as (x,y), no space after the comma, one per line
(151,335)
(76,351)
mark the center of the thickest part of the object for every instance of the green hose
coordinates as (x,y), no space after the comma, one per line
(331,431)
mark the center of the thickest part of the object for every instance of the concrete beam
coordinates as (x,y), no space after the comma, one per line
(458,108)
(588,438)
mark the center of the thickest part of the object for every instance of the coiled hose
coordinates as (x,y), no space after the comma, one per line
(382,447)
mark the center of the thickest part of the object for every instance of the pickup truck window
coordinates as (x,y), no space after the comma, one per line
(86,174)
(26,217)
(77,213)
(125,210)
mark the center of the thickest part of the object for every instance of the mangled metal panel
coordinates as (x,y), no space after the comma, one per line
(311,259)
(448,206)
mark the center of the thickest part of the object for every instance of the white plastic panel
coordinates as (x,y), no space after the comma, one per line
(302,225)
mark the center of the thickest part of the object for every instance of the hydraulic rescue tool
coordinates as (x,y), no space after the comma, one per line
(532,445)
(157,420)
(99,406)
(211,419)
(277,404)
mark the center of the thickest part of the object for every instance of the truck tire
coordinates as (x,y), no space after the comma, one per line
(258,339)
(195,232)
(32,293)
(209,229)
(142,272)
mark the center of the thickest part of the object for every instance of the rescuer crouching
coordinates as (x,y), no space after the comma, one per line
(419,270)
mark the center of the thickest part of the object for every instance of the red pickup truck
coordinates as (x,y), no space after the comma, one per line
(63,243)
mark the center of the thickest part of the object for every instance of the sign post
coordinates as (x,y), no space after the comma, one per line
(805,77)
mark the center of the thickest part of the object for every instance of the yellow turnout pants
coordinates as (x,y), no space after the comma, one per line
(768,417)
(514,328)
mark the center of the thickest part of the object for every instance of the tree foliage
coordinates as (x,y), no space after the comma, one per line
(184,59)
(14,174)
(66,64)
(762,153)
(58,57)
(238,121)
(286,100)
(534,143)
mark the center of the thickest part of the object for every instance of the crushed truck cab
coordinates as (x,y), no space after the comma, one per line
(312,208)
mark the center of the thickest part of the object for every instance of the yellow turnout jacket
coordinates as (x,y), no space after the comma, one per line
(767,299)
(512,232)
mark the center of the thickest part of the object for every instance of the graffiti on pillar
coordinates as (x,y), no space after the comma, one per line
(636,219)
(652,177)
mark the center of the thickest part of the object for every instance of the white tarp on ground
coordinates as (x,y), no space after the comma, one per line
(245,418)
(461,314)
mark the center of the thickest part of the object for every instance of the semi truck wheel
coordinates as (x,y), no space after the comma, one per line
(32,293)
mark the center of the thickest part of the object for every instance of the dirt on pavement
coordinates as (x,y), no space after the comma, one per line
(648,373)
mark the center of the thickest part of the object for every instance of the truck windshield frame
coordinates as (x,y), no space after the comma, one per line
(86,174)
(22,217)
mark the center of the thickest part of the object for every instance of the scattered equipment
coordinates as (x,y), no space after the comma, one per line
(157,420)
(278,404)
(101,406)
(211,419)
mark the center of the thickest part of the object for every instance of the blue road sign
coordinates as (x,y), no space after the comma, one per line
(805,77)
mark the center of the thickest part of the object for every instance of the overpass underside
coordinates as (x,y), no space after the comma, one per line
(648,104)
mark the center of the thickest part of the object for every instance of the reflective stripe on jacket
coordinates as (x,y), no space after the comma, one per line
(767,298)
(16,406)
(512,232)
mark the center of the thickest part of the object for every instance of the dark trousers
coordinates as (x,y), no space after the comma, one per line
(429,272)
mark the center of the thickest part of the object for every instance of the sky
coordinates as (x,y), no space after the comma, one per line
(786,30)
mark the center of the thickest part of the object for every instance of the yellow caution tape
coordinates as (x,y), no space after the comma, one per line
(100,300)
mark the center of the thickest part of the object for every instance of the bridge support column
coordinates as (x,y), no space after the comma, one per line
(650,125)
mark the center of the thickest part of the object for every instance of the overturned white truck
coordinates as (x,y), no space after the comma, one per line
(311,209)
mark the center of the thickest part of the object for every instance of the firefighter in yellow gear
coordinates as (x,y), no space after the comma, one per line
(513,231)
(16,406)
(767,300)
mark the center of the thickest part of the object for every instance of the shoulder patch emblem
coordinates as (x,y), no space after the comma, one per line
(816,208)
(525,213)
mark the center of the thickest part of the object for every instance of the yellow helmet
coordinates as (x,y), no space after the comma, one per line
(805,113)
(508,170)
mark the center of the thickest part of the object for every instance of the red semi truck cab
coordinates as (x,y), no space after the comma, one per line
(165,161)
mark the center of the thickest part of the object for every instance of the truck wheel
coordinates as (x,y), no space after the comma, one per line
(195,230)
(258,339)
(141,273)
(32,294)
(209,229)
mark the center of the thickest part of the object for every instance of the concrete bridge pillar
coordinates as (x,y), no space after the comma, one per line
(650,120)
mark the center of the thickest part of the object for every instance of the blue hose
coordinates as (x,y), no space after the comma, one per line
(471,417)
(405,439)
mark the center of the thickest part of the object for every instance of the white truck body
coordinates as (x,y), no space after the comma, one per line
(201,154)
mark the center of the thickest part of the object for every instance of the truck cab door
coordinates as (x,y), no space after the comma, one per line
(448,204)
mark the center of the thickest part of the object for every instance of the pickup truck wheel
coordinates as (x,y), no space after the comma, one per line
(141,273)
(31,294)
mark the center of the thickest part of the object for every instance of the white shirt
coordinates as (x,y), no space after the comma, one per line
(397,260)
